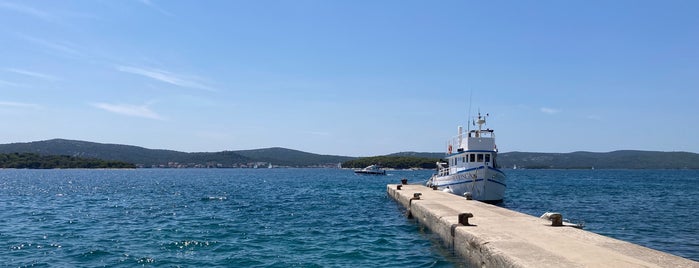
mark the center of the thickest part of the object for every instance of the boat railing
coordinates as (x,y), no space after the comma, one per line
(442,169)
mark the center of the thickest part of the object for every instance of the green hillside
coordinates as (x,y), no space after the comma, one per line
(36,161)
(294,158)
(144,157)
(117,152)
(586,160)
(391,161)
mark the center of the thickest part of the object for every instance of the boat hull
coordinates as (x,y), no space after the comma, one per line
(484,183)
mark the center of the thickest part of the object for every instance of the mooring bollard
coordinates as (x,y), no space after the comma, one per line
(555,218)
(416,196)
(399,186)
(434,187)
(463,218)
(468,196)
(404,181)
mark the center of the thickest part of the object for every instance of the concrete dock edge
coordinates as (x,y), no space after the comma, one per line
(498,237)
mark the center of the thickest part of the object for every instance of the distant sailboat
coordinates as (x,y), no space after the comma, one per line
(270,165)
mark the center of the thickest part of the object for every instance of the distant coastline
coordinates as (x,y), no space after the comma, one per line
(35,161)
(282,157)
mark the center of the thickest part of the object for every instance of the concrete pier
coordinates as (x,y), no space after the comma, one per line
(492,236)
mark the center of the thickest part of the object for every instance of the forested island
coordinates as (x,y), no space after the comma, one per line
(35,161)
(395,162)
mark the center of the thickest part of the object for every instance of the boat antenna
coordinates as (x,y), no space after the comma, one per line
(470,101)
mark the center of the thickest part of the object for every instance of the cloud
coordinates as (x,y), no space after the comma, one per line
(19,105)
(27,11)
(61,47)
(4,83)
(32,74)
(165,76)
(549,110)
(129,110)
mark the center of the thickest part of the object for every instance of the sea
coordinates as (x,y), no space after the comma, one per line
(303,217)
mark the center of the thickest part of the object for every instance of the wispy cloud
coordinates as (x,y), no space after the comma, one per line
(549,110)
(4,83)
(155,7)
(167,77)
(19,105)
(32,74)
(60,47)
(27,10)
(142,111)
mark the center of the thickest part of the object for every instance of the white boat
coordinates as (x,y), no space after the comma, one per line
(471,169)
(371,170)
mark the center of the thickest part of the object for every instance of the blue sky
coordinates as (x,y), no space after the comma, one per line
(354,78)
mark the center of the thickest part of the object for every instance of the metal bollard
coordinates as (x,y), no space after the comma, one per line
(555,218)
(434,187)
(399,186)
(463,218)
(404,181)
(468,196)
(416,196)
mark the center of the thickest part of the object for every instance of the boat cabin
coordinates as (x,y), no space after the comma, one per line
(472,150)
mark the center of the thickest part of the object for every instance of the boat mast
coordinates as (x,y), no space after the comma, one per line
(468,120)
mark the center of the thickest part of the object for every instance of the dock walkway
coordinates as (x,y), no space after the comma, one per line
(498,237)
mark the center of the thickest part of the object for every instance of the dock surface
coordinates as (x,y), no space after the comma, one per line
(498,237)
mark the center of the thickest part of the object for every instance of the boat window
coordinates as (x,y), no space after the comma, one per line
(463,159)
(480,158)
(487,157)
(473,157)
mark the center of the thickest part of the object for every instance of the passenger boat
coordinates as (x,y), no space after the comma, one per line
(471,169)
(371,170)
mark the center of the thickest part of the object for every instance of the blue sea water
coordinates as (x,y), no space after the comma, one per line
(208,218)
(302,217)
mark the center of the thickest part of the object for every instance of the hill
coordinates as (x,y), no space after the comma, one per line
(393,161)
(294,158)
(419,154)
(628,159)
(35,161)
(144,157)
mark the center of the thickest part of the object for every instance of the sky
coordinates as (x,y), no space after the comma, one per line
(352,78)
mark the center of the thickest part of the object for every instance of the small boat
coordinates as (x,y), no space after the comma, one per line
(371,170)
(471,169)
